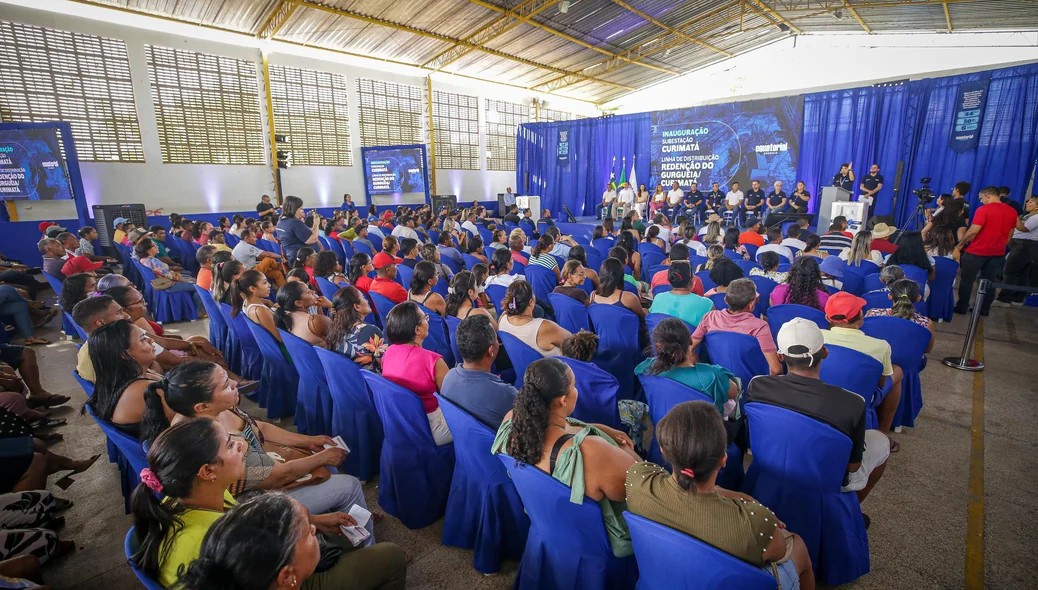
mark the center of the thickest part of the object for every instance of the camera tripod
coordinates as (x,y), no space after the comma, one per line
(917,221)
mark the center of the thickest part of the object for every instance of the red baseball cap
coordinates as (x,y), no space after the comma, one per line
(843,307)
(78,264)
(45,224)
(382,260)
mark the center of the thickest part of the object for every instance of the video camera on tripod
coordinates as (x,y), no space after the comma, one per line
(924,193)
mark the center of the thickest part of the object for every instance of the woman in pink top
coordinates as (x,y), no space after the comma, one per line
(409,365)
(803,285)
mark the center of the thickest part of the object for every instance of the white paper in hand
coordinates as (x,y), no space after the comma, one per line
(338,443)
(360,515)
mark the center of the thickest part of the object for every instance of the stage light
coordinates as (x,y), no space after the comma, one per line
(564,6)
(838,15)
(284,159)
(784,27)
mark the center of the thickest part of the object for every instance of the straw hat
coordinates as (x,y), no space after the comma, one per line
(882,230)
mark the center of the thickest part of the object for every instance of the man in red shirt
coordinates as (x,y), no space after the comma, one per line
(384,285)
(880,233)
(752,235)
(987,237)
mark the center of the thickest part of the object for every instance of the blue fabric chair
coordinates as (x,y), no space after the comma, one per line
(328,288)
(594,258)
(764,288)
(353,415)
(415,473)
(496,293)
(130,269)
(778,315)
(708,283)
(438,341)
(335,246)
(452,336)
(853,281)
(797,470)
(630,288)
(67,325)
(602,246)
(570,313)
(856,372)
(470,260)
(542,280)
(520,354)
(651,259)
(75,327)
(361,247)
(917,274)
(131,546)
(872,283)
(908,341)
(242,345)
(313,400)
(720,303)
(130,457)
(167,306)
(733,255)
(747,266)
(941,303)
(653,319)
(450,264)
(878,300)
(866,267)
(381,305)
(669,559)
(518,268)
(403,275)
(217,325)
(484,511)
(738,353)
(661,289)
(279,381)
(599,392)
(441,288)
(618,349)
(662,394)
(567,548)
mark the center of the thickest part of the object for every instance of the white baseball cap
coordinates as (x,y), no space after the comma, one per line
(801,334)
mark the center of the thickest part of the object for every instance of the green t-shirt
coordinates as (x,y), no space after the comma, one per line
(690,308)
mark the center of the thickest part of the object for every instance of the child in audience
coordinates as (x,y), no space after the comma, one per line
(904,294)
(294,314)
(722,274)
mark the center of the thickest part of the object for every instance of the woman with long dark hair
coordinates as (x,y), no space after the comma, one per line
(224,273)
(501,264)
(910,250)
(940,242)
(803,285)
(541,255)
(634,258)
(306,258)
(75,289)
(463,298)
(327,267)
(421,291)
(518,319)
(475,249)
(360,266)
(123,357)
(731,242)
(350,335)
(811,245)
(592,459)
(904,294)
(610,290)
(295,299)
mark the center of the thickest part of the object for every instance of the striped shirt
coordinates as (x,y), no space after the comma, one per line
(546,260)
(835,240)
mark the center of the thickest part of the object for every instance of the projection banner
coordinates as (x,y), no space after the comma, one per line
(969,114)
(31,166)
(397,174)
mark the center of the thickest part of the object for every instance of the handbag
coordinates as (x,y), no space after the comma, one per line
(161,283)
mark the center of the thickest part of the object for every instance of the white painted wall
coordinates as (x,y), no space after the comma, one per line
(191,188)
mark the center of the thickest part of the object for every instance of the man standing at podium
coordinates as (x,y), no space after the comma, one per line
(870,187)
(845,177)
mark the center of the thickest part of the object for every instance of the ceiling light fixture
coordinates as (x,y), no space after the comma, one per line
(838,15)
(564,6)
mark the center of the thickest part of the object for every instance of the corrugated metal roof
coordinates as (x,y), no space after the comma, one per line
(534,53)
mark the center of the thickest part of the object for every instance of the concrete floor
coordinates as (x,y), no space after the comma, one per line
(919,509)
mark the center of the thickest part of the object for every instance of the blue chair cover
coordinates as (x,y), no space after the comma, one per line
(797,470)
(130,547)
(651,259)
(661,289)
(165,305)
(856,372)
(778,315)
(518,268)
(853,281)
(630,288)
(941,303)
(470,260)
(75,327)
(404,274)
(567,548)
(381,305)
(328,288)
(496,293)
(441,287)
(739,353)
(708,283)
(618,349)
(335,246)
(362,247)
(752,251)
(594,258)
(570,313)
(452,335)
(603,246)
(353,415)
(866,267)
(764,288)
(917,274)
(653,319)
(872,283)
(268,246)
(415,473)
(599,392)
(662,394)
(130,457)
(720,303)
(279,380)
(520,354)
(313,400)
(438,341)
(242,345)
(542,280)
(733,255)
(878,300)
(747,266)
(670,559)
(484,511)
(217,325)
(450,264)
(908,341)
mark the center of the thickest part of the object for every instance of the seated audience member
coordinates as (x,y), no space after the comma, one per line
(123,357)
(805,224)
(204,256)
(202,233)
(562,244)
(880,233)
(306,258)
(500,240)
(409,250)
(293,316)
(268,232)
(249,293)
(610,290)
(731,242)
(327,267)
(391,246)
(430,253)
(92,313)
(384,285)
(910,250)
(837,238)
(713,254)
(465,298)
(579,254)
(844,312)
(905,294)
(832,272)
(539,432)
(517,246)
(75,289)
(722,274)
(861,249)
(360,266)
(71,244)
(652,236)
(147,250)
(447,250)
(414,368)
(741,298)
(187,228)
(775,245)
(803,285)
(769,263)
(678,252)
(501,264)
(24,316)
(540,256)
(361,231)
(752,237)
(281,550)
(680,301)
(793,238)
(350,335)
(421,288)
(471,385)
(475,249)
(20,389)
(676,360)
(58,262)
(267,263)
(298,275)
(224,274)
(633,258)
(572,286)
(581,346)
(693,440)
(813,244)
(518,319)
(25,466)
(88,234)
(802,347)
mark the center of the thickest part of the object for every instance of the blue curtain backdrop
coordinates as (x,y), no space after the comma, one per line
(910,122)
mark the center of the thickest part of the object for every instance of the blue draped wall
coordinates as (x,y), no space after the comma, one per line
(882,124)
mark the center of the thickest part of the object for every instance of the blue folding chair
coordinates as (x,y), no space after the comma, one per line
(908,341)
(450,264)
(242,346)
(335,246)
(542,280)
(520,353)
(76,330)
(878,300)
(279,380)
(669,559)
(381,304)
(130,457)
(67,325)
(496,293)
(313,400)
(437,340)
(353,415)
(618,349)
(651,259)
(599,393)
(518,268)
(594,258)
(739,353)
(441,288)
(404,274)
(570,313)
(363,248)
(661,289)
(653,319)
(853,281)
(798,468)
(603,246)
(484,511)
(778,315)
(167,306)
(919,275)
(856,372)
(872,283)
(327,288)
(747,266)
(704,277)
(941,303)
(131,545)
(662,394)
(217,325)
(764,288)
(452,335)
(557,521)
(415,475)
(470,260)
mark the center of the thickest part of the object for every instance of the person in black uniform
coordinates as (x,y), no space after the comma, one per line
(798,202)
(777,199)
(845,177)
(693,202)
(754,200)
(714,199)
(870,187)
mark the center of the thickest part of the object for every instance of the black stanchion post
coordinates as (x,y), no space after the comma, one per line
(964,362)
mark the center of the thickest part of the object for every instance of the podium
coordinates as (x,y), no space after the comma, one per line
(830,196)
(530,202)
(854,212)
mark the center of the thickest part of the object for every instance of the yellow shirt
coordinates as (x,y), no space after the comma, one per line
(858,340)
(118,236)
(222,247)
(184,548)
(84,364)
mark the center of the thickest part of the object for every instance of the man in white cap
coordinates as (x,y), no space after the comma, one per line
(801,346)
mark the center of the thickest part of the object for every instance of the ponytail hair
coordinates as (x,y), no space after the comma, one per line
(424,272)
(500,260)
(240,289)
(904,293)
(545,380)
(183,387)
(223,276)
(672,339)
(288,295)
(544,244)
(461,284)
(301,255)
(518,297)
(357,264)
(693,440)
(174,459)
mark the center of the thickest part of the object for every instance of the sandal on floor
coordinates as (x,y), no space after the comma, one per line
(47,402)
(50,437)
(33,341)
(90,463)
(47,318)
(50,423)
(895,446)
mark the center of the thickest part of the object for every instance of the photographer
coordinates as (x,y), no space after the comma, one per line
(291,230)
